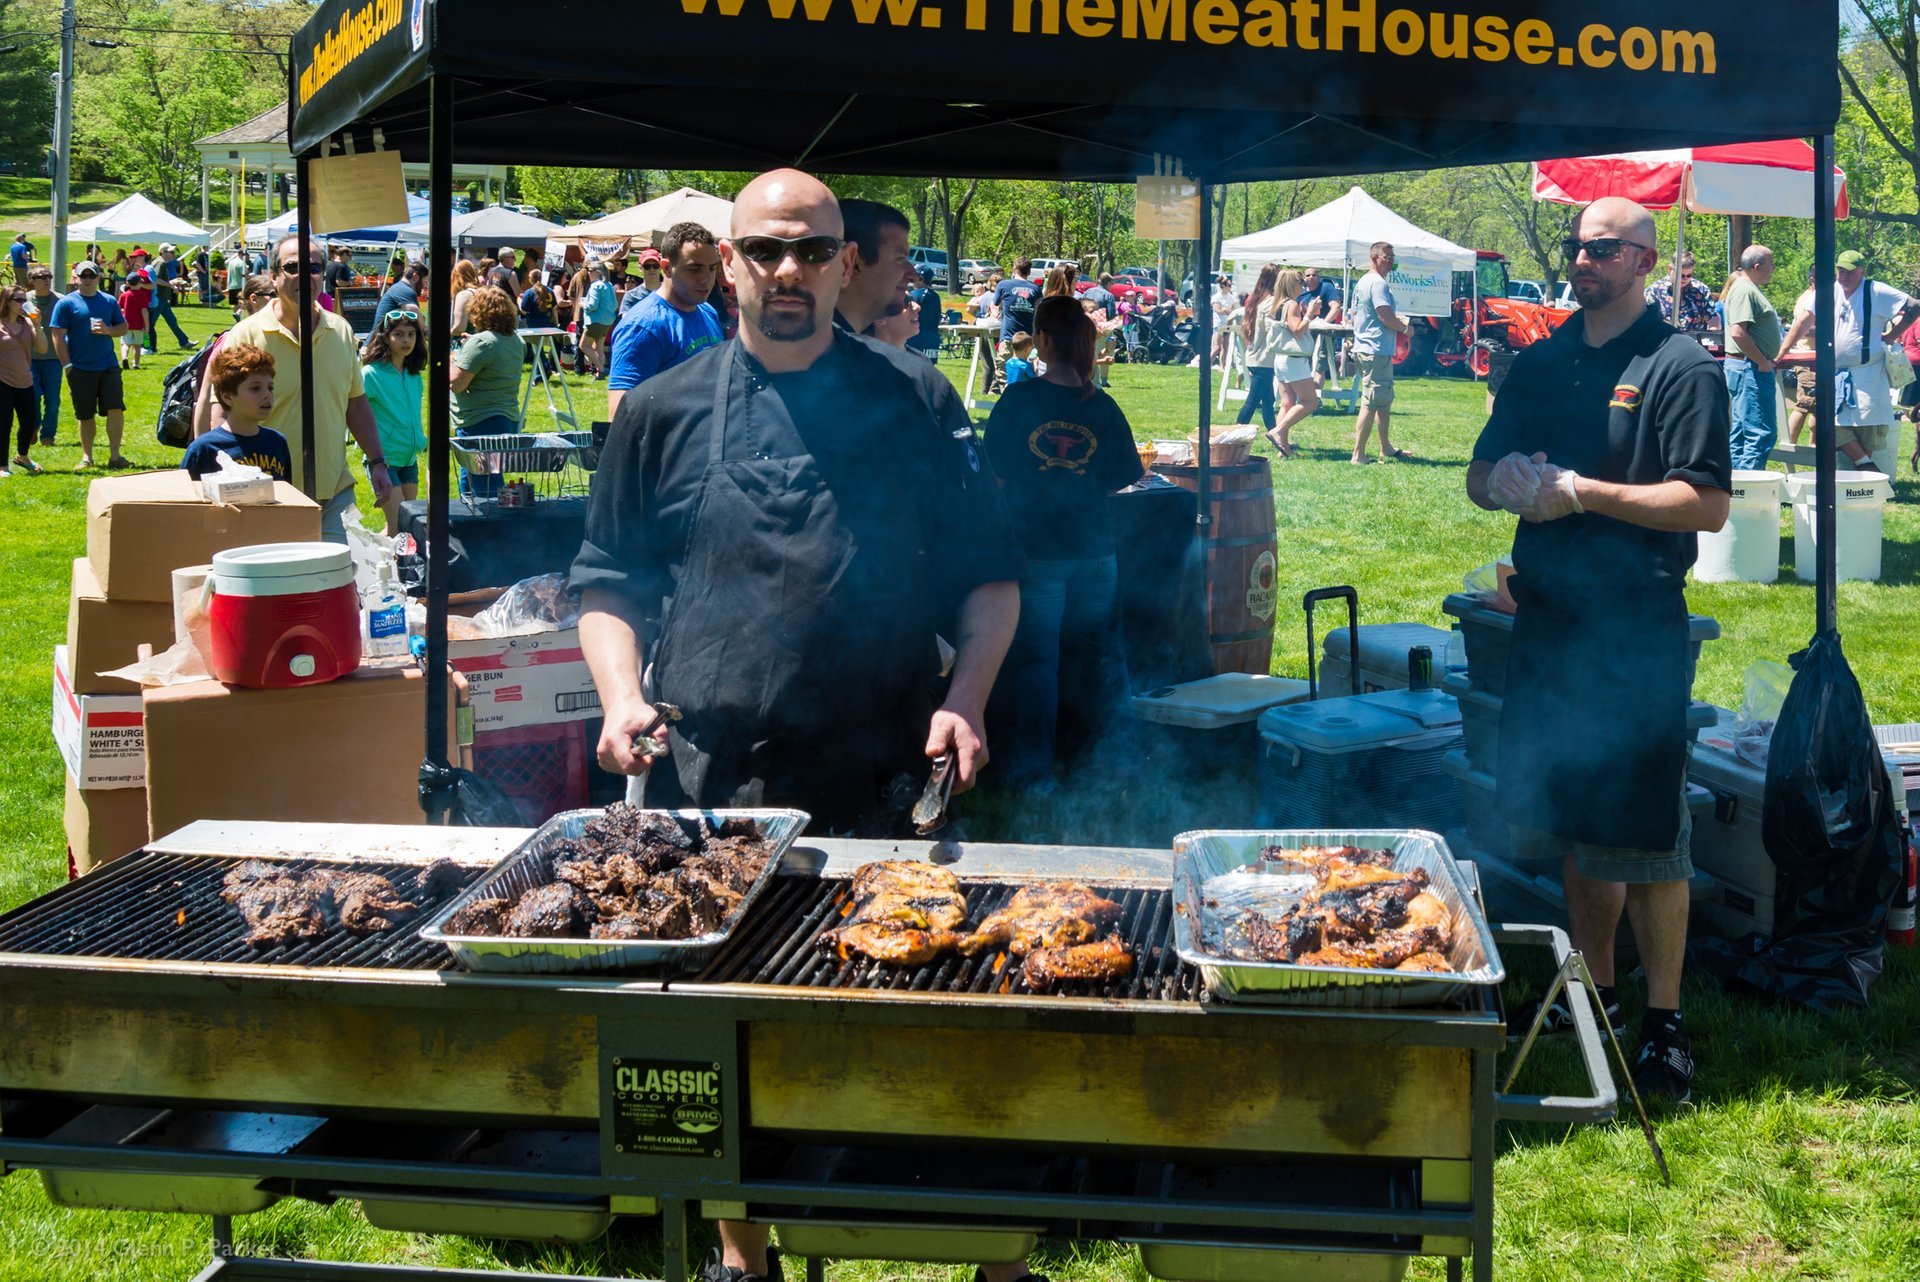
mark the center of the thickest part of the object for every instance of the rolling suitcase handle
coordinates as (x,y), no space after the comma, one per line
(1352,599)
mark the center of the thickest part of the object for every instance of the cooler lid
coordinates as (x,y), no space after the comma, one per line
(1231,698)
(281,561)
(1385,645)
(1364,720)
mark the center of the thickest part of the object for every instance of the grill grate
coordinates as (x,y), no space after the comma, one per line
(132,910)
(776,945)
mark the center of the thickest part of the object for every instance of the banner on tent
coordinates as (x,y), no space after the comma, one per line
(1421,289)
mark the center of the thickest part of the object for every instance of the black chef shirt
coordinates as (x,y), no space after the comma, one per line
(861,408)
(1061,456)
(1669,422)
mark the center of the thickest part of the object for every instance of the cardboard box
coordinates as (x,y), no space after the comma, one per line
(100,736)
(141,528)
(103,824)
(103,634)
(536,680)
(345,752)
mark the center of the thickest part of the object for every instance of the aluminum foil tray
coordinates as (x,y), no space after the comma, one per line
(513,453)
(1199,857)
(528,867)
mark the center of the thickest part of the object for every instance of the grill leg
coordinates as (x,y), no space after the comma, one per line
(673,1239)
(222,1237)
(816,1269)
(1454,1273)
(1484,1086)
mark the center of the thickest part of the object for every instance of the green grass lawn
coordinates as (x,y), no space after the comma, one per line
(1801,1160)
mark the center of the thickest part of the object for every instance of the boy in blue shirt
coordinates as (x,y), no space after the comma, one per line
(1019,366)
(242,378)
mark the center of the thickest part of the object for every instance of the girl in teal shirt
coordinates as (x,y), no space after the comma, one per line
(395,354)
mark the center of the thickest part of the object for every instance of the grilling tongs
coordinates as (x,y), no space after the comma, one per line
(644,743)
(931,810)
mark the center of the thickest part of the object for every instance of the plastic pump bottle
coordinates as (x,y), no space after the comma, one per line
(387,621)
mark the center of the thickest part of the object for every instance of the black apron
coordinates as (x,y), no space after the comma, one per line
(798,640)
(1593,744)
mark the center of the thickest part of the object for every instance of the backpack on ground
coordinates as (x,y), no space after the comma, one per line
(180,392)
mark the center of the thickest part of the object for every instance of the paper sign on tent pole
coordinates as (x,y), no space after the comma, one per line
(1167,208)
(364,190)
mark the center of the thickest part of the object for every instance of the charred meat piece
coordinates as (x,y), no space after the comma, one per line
(1103,960)
(368,904)
(284,905)
(481,917)
(898,945)
(653,914)
(1360,916)
(1050,915)
(1313,858)
(916,912)
(437,880)
(557,910)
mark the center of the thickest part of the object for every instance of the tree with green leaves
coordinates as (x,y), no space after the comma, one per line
(566,194)
(26,89)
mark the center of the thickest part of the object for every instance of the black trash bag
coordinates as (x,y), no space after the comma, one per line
(1830,826)
(467,800)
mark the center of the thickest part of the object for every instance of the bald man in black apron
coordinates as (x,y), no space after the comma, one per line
(1610,442)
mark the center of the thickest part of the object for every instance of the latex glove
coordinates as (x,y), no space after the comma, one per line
(1556,496)
(1513,483)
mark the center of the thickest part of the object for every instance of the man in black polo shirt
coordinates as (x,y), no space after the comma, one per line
(790,495)
(1610,443)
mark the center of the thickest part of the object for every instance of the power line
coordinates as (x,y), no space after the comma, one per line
(186,31)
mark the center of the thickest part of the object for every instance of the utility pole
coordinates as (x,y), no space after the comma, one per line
(63,147)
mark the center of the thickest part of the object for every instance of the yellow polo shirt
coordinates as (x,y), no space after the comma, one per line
(336,379)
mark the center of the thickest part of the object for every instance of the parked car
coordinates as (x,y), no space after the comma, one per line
(1041,266)
(1531,291)
(1140,288)
(531,211)
(1152,275)
(1565,299)
(976,271)
(929,262)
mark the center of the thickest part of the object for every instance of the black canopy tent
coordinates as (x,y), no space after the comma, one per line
(1220,90)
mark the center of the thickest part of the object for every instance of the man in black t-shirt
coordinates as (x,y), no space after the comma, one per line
(339,271)
(1610,442)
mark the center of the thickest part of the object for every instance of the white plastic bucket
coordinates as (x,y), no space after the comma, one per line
(1859,498)
(1747,548)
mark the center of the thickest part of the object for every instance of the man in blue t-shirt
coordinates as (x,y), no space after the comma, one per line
(928,339)
(671,323)
(403,295)
(1016,299)
(22,254)
(83,328)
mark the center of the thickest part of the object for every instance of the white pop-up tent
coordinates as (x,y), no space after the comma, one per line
(411,232)
(494,226)
(139,219)
(644,224)
(1338,234)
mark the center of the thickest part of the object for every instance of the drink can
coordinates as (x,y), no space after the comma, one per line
(1420,667)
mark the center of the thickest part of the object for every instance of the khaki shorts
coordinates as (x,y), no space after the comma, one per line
(1615,863)
(1376,380)
(1869,436)
(596,330)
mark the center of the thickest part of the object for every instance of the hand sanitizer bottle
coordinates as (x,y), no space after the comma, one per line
(387,621)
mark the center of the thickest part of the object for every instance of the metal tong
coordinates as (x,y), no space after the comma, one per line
(644,743)
(931,810)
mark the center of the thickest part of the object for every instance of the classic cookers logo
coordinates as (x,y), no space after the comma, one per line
(667,1106)
(1260,589)
(696,1119)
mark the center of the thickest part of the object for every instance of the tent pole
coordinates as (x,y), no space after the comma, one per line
(1203,336)
(1679,248)
(439,413)
(1825,603)
(303,228)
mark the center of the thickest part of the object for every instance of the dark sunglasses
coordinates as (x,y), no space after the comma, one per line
(288,269)
(1600,249)
(813,251)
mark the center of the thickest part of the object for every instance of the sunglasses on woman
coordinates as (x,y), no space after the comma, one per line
(813,251)
(1600,249)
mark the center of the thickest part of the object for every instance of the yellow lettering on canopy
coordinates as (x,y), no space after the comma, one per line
(816,10)
(1637,48)
(1049,16)
(1154,20)
(1216,21)
(1350,15)
(1692,47)
(976,15)
(1403,33)
(1591,37)
(1445,43)
(1533,42)
(1266,26)
(1490,38)
(1090,18)
(899,12)
(1305,14)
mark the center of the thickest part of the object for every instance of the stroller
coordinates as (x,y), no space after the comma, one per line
(1169,338)
(1134,339)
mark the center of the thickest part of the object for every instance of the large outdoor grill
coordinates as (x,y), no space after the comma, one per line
(150,1060)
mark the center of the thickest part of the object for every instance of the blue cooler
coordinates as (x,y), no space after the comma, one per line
(1365,761)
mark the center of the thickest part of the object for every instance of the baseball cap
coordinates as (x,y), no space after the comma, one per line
(137,252)
(86,269)
(650,256)
(1851,260)
(143,278)
(166,249)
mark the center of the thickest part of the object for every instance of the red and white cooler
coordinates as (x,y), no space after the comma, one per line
(283,614)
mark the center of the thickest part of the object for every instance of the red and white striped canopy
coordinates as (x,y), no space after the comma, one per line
(1765,179)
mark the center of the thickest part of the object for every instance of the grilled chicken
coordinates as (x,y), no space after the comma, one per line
(896,944)
(1107,959)
(1314,858)
(1361,915)
(1050,915)
(904,877)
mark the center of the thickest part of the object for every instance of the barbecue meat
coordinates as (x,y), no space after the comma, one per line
(1055,914)
(1360,916)
(915,912)
(635,874)
(283,905)
(902,876)
(1106,959)
(1314,858)
(557,910)
(481,917)
(437,880)
(1433,962)
(899,945)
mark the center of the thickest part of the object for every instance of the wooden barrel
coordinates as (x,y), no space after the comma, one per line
(1241,552)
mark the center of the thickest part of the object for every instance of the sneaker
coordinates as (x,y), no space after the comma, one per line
(1664,1065)
(1559,1021)
(715,1271)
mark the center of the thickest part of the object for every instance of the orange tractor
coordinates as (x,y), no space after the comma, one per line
(1465,343)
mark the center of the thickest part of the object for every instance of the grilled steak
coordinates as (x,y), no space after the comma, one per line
(283,905)
(1361,915)
(481,917)
(557,910)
